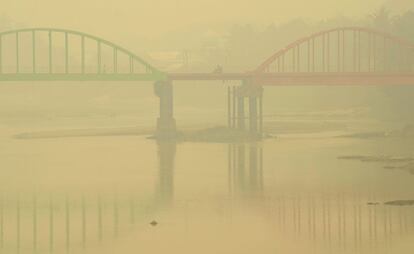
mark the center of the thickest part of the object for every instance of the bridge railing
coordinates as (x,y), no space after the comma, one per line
(348,49)
(59,51)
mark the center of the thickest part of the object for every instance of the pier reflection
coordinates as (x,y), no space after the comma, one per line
(330,222)
(165,185)
(245,169)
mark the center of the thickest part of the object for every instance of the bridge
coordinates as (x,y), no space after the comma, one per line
(340,56)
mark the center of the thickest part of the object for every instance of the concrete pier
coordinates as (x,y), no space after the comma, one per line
(166,126)
(240,120)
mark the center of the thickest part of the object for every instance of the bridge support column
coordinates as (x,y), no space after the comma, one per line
(237,112)
(253,124)
(240,113)
(256,112)
(166,127)
(236,109)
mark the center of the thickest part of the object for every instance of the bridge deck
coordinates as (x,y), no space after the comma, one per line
(79,77)
(335,79)
(209,76)
(286,79)
(263,79)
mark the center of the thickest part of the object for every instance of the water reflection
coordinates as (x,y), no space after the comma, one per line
(245,167)
(52,224)
(329,221)
(343,223)
(165,186)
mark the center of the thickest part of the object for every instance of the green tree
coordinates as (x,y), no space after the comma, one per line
(403,25)
(381,19)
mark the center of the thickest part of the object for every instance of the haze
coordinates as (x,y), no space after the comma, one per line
(147,18)
(208,127)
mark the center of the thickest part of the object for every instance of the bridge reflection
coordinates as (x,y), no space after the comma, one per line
(245,169)
(331,222)
(165,186)
(340,222)
(70,223)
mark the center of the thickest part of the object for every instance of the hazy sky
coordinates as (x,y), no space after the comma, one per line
(155,17)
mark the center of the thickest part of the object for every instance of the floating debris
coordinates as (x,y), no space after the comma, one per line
(351,157)
(391,162)
(400,202)
(405,132)
(377,158)
(368,135)
(153,223)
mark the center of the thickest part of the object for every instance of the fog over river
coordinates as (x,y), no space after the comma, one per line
(79,175)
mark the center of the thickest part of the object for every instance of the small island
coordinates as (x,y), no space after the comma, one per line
(214,135)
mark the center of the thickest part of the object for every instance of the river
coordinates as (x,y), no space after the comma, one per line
(80,181)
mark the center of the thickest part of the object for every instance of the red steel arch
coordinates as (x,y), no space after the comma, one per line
(344,49)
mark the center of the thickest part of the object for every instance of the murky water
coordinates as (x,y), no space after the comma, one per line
(99,194)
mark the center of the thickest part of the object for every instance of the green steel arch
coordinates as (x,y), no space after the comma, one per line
(147,71)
